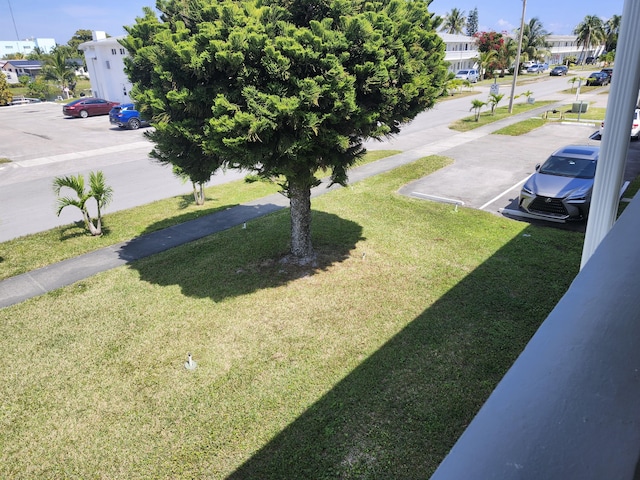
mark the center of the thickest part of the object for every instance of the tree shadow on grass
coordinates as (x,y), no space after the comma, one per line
(399,412)
(252,264)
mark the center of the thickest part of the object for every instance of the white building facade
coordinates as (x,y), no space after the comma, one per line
(461,51)
(105,63)
(25,47)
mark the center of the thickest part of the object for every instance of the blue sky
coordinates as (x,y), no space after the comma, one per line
(60,19)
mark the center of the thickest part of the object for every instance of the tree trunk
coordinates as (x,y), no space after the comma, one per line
(198,193)
(300,200)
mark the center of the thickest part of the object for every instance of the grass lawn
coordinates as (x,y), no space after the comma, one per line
(367,367)
(35,251)
(469,123)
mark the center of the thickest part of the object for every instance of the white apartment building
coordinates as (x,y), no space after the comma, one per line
(461,51)
(563,46)
(25,47)
(105,63)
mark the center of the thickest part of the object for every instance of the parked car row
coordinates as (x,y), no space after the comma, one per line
(123,115)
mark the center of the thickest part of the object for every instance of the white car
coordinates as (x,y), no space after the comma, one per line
(635,125)
(469,74)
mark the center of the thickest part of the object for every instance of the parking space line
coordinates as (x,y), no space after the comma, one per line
(438,199)
(503,193)
(87,153)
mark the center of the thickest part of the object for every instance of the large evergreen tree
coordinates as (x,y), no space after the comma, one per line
(472,22)
(283,87)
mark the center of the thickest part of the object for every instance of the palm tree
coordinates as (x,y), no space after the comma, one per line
(534,40)
(506,54)
(476,105)
(454,22)
(58,68)
(98,190)
(494,99)
(485,59)
(590,33)
(612,30)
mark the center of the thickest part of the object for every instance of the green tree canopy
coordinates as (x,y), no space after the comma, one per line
(472,22)
(58,68)
(612,30)
(79,37)
(454,22)
(534,40)
(283,87)
(5,92)
(590,33)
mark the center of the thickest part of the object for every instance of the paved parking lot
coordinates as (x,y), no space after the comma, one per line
(488,172)
(41,130)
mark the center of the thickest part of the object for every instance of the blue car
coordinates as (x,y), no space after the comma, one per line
(125,115)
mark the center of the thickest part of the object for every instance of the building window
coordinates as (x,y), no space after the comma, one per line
(113,51)
(108,65)
(122,52)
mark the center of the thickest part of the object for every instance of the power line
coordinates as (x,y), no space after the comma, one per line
(14,20)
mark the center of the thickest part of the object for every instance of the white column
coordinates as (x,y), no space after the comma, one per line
(615,142)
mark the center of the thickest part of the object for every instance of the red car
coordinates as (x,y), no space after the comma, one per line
(87,106)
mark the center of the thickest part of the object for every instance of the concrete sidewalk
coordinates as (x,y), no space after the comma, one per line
(31,284)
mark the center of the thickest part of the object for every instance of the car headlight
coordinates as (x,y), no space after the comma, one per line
(527,190)
(577,197)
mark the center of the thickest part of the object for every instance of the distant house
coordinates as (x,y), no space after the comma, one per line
(14,69)
(104,57)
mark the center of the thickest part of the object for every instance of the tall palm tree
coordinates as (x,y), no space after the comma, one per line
(58,68)
(98,190)
(590,33)
(534,40)
(612,30)
(506,54)
(485,60)
(454,22)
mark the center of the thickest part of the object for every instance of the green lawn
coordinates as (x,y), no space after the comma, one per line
(35,251)
(486,117)
(366,367)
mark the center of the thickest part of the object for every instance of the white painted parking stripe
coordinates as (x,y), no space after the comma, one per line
(437,198)
(87,153)
(521,182)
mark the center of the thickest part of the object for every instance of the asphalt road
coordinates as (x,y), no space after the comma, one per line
(42,144)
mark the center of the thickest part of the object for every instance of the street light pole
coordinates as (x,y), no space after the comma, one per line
(517,66)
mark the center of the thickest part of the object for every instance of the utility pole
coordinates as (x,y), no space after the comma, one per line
(517,67)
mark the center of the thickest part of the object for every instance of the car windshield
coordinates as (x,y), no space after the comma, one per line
(569,167)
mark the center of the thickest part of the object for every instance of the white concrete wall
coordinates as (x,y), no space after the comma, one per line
(105,63)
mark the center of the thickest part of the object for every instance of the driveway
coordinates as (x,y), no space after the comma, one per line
(487,173)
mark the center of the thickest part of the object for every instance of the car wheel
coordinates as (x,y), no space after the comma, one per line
(84,113)
(134,124)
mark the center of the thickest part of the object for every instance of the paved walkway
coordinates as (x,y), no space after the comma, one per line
(22,287)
